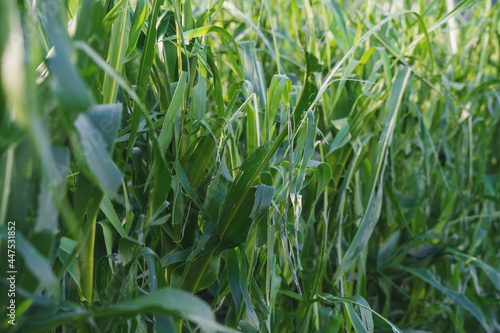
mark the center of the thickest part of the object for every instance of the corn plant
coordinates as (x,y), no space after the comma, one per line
(253,166)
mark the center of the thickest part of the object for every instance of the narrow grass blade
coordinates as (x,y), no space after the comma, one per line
(372,211)
(144,73)
(460,299)
(140,15)
(116,52)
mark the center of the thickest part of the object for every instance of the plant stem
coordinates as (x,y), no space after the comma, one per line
(87,252)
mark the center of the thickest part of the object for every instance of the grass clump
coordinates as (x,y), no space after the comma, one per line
(260,166)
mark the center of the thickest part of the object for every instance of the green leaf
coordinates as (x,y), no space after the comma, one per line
(373,207)
(147,58)
(310,90)
(34,262)
(356,321)
(244,286)
(53,190)
(66,247)
(279,84)
(200,32)
(310,137)
(109,211)
(460,299)
(4,25)
(200,95)
(493,273)
(263,198)
(236,196)
(140,15)
(219,102)
(97,129)
(167,130)
(359,301)
(343,136)
(181,175)
(117,52)
(164,301)
(233,275)
(68,85)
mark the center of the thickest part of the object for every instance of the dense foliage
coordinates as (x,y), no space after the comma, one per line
(263,165)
